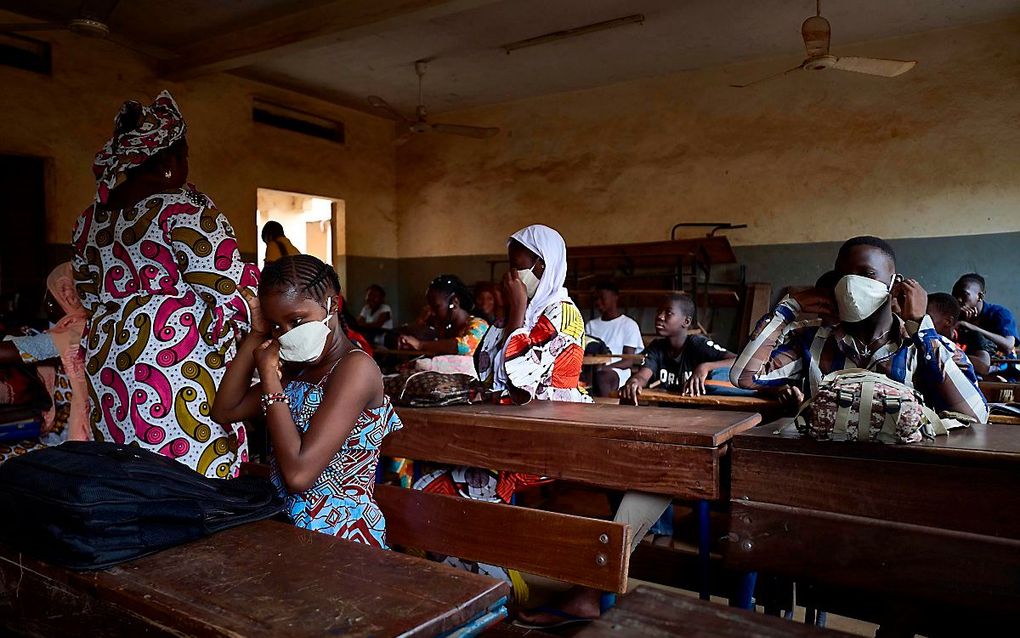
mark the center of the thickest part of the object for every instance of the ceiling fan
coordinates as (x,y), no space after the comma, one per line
(817,33)
(420,123)
(92,21)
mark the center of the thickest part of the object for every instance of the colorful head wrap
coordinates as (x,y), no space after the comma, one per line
(139,133)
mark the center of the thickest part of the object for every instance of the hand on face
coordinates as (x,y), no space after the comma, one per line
(516,291)
(267,359)
(969,312)
(259,325)
(911,299)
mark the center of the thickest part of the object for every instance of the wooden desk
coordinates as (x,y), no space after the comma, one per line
(935,525)
(647,611)
(659,450)
(999,391)
(263,579)
(1004,419)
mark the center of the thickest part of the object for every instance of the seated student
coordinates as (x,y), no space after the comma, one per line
(868,335)
(456,329)
(620,333)
(983,322)
(489,302)
(375,314)
(322,398)
(945,311)
(676,360)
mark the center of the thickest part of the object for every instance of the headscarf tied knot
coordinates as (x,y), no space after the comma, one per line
(139,133)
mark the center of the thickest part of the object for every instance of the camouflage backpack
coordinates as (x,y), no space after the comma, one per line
(890,411)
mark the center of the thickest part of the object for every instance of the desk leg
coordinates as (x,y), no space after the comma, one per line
(745,595)
(704,546)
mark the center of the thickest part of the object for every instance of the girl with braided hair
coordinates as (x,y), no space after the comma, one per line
(322,397)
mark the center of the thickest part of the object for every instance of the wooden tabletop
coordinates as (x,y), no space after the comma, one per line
(648,612)
(665,451)
(263,579)
(980,443)
(707,428)
(601,359)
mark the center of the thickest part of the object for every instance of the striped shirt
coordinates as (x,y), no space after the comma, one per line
(783,351)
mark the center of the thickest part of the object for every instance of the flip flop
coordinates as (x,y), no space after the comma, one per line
(568,619)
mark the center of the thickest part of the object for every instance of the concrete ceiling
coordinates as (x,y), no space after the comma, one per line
(344,51)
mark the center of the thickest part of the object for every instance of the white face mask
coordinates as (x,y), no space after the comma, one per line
(529,280)
(306,342)
(860,297)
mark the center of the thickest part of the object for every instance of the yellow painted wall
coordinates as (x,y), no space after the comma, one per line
(811,157)
(68,116)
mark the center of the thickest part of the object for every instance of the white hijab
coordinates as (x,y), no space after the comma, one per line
(547,244)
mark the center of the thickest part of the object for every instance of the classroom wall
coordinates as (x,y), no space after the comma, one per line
(806,161)
(66,117)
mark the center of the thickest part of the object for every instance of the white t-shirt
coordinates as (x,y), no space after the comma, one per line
(369,316)
(622,332)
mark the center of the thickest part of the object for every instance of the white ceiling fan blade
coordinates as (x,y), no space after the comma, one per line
(18,27)
(466,131)
(816,33)
(768,77)
(383,105)
(874,66)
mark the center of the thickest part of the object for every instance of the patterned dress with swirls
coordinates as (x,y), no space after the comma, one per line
(162,282)
(340,503)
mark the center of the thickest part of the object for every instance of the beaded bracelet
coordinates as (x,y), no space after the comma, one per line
(270,399)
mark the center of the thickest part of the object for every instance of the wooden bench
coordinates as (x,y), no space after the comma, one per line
(648,611)
(933,528)
(263,579)
(1000,392)
(665,451)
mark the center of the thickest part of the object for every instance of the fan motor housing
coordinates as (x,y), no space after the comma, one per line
(820,63)
(89,27)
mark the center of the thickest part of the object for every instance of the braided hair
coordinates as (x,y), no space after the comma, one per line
(306,274)
(453,286)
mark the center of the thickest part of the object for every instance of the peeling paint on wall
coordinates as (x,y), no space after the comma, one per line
(811,157)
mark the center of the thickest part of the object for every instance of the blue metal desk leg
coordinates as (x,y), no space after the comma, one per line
(745,597)
(704,542)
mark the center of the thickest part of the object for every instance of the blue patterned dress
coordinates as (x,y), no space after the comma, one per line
(340,503)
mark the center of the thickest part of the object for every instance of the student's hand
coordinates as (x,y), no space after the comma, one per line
(630,391)
(817,301)
(912,300)
(407,342)
(966,325)
(790,396)
(267,359)
(695,385)
(516,291)
(259,325)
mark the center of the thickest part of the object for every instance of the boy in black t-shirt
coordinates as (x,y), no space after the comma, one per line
(676,361)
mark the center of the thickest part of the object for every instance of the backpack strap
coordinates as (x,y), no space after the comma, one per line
(893,409)
(864,417)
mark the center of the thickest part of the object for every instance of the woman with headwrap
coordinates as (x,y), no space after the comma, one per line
(59,362)
(536,355)
(539,352)
(157,266)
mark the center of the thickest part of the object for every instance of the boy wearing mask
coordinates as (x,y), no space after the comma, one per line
(860,331)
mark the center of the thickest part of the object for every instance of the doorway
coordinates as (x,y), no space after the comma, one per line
(22,245)
(313,224)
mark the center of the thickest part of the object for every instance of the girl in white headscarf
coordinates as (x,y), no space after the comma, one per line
(539,352)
